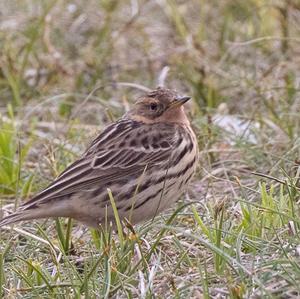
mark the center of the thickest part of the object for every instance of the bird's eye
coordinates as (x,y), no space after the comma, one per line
(153,106)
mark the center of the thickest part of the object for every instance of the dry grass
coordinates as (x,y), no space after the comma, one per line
(69,68)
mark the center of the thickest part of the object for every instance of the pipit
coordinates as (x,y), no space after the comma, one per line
(146,158)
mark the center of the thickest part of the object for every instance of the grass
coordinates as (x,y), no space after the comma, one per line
(67,69)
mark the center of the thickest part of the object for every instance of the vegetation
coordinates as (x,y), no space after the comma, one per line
(69,68)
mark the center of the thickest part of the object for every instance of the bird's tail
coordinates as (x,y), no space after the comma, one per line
(37,211)
(14,217)
(24,213)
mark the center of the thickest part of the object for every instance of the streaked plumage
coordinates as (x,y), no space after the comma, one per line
(146,158)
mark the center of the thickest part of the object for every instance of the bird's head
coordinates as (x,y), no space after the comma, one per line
(159,105)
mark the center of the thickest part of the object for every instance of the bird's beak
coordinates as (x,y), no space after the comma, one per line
(177,102)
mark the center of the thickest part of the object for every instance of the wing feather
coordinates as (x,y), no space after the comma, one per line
(123,149)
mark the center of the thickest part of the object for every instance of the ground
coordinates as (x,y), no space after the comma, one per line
(70,68)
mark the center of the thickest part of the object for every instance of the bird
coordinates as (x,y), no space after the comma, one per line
(146,159)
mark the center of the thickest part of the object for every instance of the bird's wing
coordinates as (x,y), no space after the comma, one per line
(123,150)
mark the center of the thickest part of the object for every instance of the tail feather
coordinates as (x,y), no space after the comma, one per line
(15,217)
(33,211)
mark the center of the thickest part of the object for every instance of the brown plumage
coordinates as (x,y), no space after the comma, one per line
(146,158)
